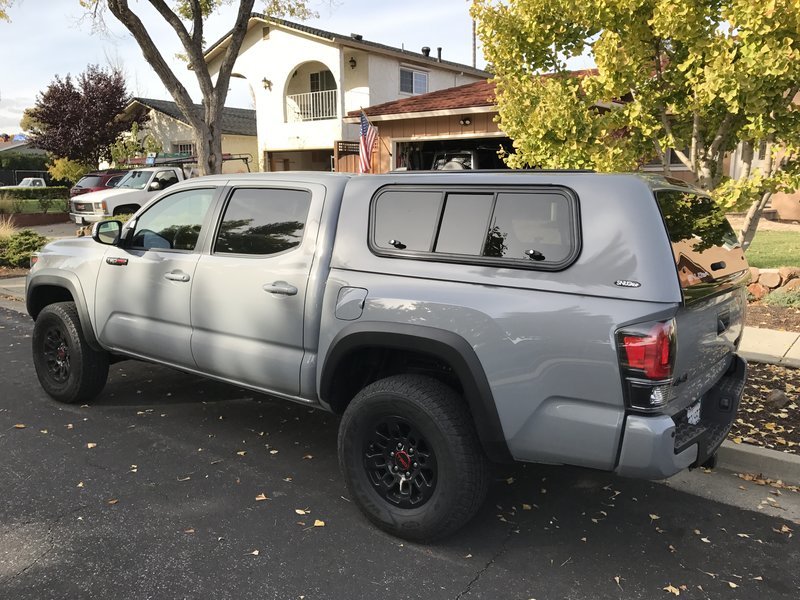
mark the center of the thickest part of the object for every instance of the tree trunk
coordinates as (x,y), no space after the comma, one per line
(208,141)
(750,225)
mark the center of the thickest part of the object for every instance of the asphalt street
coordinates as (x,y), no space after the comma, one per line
(154,491)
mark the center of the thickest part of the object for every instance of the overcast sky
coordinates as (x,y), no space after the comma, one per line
(41,43)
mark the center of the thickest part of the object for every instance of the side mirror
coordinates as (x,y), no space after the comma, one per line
(107,232)
(154,186)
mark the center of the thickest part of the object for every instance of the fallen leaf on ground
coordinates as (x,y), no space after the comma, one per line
(759,578)
(43,431)
(113,501)
(188,531)
(654,517)
(68,426)
(733,585)
(308,457)
(617,578)
(242,452)
(526,507)
(302,511)
(91,445)
(261,496)
(187,478)
(468,556)
(254,552)
(705,540)
(19,426)
(287,479)
(273,451)
(510,480)
(672,590)
(318,523)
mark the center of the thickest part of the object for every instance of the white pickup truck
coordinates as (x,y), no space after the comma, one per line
(28,182)
(134,190)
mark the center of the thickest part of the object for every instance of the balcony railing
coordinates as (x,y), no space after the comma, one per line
(311,106)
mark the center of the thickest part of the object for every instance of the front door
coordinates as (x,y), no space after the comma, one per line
(249,293)
(144,289)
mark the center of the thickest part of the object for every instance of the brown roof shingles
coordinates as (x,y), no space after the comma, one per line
(470,95)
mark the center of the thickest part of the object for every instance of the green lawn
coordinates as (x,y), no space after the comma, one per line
(772,249)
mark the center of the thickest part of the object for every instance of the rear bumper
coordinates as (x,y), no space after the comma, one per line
(659,446)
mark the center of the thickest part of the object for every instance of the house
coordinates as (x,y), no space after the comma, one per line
(305,80)
(170,130)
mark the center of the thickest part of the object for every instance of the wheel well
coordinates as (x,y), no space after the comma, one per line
(126,209)
(43,295)
(364,365)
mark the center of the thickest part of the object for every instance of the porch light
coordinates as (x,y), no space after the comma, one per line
(465,121)
(352,62)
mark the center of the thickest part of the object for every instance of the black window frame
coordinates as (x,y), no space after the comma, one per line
(573,204)
(220,218)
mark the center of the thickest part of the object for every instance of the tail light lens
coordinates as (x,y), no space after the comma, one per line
(647,357)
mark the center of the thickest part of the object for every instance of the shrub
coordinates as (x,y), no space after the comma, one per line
(10,204)
(783,298)
(16,250)
(35,193)
(7,229)
(46,204)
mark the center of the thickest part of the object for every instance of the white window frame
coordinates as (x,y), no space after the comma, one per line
(414,73)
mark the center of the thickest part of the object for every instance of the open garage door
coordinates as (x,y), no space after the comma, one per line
(461,154)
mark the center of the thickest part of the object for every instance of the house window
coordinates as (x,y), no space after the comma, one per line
(322,81)
(183,148)
(413,82)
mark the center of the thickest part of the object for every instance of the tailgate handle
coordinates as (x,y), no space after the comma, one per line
(723,322)
(718,265)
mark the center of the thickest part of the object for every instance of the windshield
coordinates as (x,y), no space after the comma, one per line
(135,180)
(89,181)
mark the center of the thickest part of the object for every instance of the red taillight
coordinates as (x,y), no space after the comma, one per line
(651,353)
(647,356)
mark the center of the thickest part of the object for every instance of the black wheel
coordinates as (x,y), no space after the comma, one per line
(411,458)
(68,369)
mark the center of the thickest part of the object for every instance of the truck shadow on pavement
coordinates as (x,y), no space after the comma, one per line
(199,489)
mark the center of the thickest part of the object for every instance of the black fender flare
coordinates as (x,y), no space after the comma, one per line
(70,282)
(440,343)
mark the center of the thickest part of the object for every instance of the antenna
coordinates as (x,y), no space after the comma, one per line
(474,46)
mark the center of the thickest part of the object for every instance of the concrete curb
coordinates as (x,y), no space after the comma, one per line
(769,359)
(744,458)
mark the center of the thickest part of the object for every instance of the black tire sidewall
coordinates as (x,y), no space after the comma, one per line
(56,316)
(426,521)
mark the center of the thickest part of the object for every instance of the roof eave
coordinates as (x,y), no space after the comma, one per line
(422,114)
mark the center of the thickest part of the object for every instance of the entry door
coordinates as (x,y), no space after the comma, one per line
(249,294)
(143,291)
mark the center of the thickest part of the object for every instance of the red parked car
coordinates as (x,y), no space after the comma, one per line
(96,181)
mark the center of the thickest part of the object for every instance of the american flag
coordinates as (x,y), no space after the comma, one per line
(369,133)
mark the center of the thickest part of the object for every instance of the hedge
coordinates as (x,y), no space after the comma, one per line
(36,193)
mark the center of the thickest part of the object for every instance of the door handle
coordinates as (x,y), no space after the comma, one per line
(280,287)
(177,276)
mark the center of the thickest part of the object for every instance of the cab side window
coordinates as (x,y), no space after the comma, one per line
(173,223)
(263,221)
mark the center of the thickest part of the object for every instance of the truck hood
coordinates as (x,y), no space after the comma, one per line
(105,194)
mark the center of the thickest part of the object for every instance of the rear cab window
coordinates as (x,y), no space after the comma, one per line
(531,227)
(706,250)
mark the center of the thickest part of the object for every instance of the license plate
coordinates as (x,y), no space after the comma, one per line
(693,413)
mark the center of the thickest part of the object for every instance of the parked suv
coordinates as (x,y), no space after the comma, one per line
(451,318)
(96,181)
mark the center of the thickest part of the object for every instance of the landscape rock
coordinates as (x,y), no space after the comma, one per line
(789,273)
(777,399)
(757,290)
(792,284)
(770,279)
(754,273)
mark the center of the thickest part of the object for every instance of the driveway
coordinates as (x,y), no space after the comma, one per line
(170,486)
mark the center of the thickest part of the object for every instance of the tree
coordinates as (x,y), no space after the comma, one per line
(79,120)
(696,77)
(4,4)
(69,170)
(133,143)
(187,18)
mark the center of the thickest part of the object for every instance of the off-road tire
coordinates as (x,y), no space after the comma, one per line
(439,416)
(68,369)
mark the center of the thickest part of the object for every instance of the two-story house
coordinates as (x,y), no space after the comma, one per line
(305,80)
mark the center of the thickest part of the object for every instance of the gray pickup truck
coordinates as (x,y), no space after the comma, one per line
(451,318)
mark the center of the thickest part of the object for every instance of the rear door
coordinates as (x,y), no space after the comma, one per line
(712,272)
(248,299)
